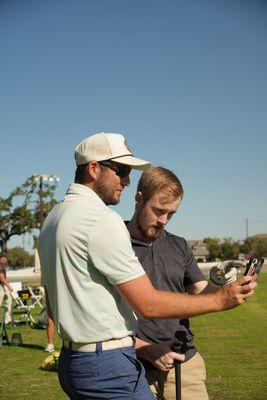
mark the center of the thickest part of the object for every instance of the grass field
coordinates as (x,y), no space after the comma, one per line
(234,345)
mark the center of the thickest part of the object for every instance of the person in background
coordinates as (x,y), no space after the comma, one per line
(170,265)
(49,323)
(50,331)
(5,289)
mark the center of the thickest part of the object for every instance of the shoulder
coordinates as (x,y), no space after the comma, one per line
(111,225)
(175,240)
(110,216)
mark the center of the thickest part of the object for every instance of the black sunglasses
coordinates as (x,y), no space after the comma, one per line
(121,170)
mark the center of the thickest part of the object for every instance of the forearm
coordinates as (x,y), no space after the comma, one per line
(152,303)
(4,281)
(181,305)
(141,348)
(210,289)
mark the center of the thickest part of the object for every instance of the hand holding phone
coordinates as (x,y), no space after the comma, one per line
(254,267)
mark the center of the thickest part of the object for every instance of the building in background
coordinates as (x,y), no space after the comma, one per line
(199,250)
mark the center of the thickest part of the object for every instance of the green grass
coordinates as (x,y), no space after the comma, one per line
(20,376)
(233,344)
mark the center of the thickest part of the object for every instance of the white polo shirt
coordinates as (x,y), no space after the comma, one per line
(85,250)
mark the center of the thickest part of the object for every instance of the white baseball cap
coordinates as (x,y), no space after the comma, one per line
(108,146)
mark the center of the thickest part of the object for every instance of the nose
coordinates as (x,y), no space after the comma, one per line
(163,219)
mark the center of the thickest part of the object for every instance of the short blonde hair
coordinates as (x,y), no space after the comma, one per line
(159,179)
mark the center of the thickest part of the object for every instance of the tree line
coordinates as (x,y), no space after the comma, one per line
(228,249)
(25,208)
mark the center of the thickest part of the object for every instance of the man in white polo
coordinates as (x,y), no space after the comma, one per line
(94,280)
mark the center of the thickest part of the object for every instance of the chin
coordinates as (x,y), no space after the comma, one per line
(154,233)
(151,234)
(112,201)
(115,201)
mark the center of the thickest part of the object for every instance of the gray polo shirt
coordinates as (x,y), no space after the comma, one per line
(85,250)
(170,265)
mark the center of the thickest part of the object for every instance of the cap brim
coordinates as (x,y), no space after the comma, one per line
(133,162)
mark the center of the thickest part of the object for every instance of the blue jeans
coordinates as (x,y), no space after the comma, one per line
(110,374)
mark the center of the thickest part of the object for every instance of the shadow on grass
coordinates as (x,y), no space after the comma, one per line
(32,346)
(25,346)
(46,370)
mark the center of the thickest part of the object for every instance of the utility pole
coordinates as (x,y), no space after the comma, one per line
(41,179)
(41,200)
(246,228)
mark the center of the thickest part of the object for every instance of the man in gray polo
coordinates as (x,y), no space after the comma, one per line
(170,265)
(93,279)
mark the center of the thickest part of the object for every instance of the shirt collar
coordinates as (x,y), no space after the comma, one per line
(84,191)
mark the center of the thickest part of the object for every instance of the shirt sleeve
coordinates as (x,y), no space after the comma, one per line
(193,274)
(111,252)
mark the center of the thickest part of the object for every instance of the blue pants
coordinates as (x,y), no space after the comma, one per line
(110,374)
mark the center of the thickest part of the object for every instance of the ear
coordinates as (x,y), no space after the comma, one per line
(93,169)
(139,198)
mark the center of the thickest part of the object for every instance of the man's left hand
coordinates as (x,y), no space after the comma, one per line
(225,272)
(161,355)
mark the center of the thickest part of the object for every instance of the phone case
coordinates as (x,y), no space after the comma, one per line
(254,267)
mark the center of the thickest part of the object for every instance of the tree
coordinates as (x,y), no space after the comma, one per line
(20,258)
(214,248)
(43,187)
(229,249)
(255,246)
(25,208)
(14,220)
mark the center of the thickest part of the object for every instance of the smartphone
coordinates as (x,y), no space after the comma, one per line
(254,267)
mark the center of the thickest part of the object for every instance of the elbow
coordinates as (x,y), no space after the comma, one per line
(148,311)
(147,314)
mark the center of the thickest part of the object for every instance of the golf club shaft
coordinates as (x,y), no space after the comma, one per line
(177,366)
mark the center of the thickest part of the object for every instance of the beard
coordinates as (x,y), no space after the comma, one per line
(148,232)
(107,194)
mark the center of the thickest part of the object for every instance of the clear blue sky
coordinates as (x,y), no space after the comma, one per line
(184,81)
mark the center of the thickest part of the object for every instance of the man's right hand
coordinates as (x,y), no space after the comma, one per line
(225,272)
(235,294)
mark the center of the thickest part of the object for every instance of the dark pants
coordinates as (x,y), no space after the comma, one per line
(110,374)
